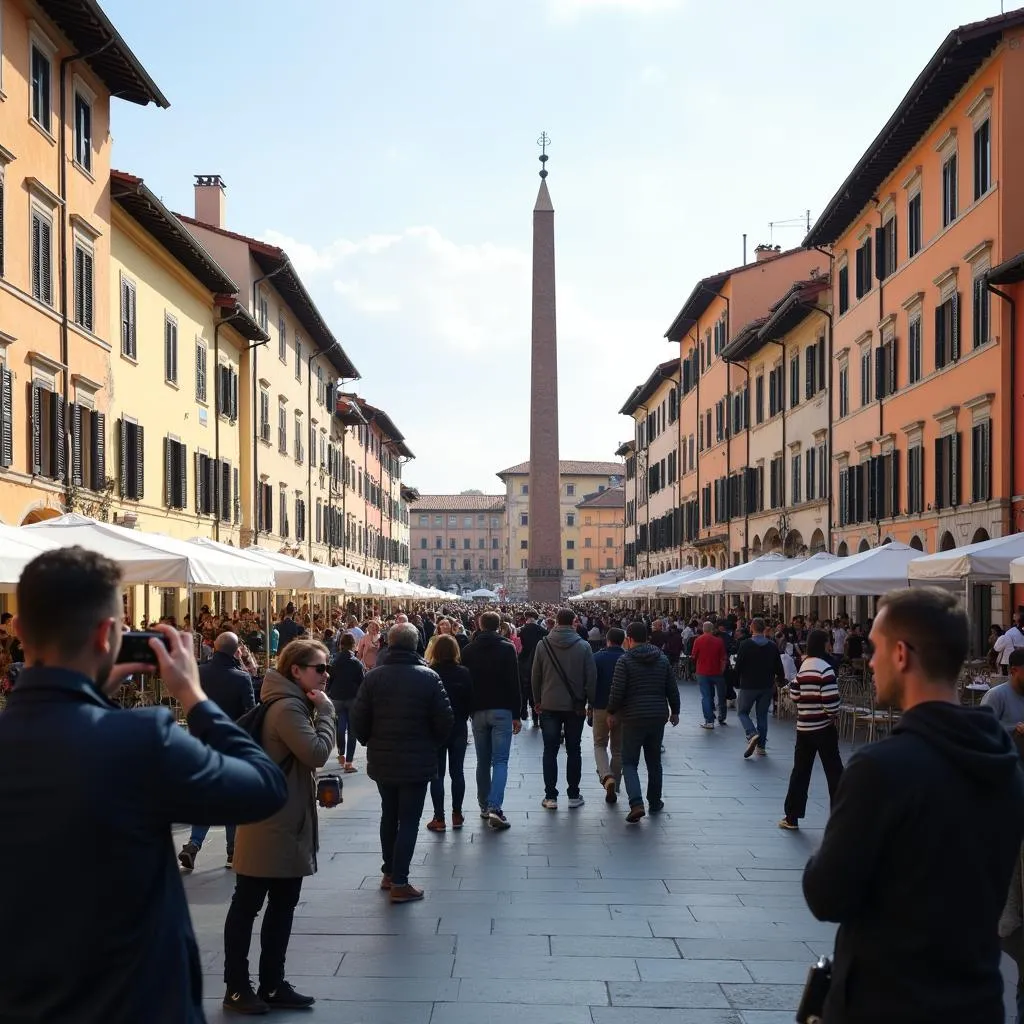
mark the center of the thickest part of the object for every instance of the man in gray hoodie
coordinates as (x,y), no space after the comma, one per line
(564,678)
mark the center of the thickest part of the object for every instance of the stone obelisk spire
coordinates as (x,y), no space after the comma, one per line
(545,561)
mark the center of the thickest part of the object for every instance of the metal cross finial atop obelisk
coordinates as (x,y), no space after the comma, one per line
(544,141)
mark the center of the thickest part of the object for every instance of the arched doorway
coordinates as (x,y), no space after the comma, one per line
(39,515)
(721,562)
(772,540)
(863,546)
(916,543)
(755,548)
(843,550)
(817,542)
(947,543)
(887,540)
(979,536)
(794,544)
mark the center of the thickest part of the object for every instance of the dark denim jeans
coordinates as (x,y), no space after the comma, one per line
(282,896)
(346,737)
(452,755)
(759,701)
(642,734)
(710,687)
(552,724)
(401,808)
(200,832)
(492,737)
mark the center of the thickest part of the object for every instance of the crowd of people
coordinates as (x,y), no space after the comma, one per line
(105,935)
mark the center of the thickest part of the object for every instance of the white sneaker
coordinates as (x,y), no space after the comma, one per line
(576,801)
(548,804)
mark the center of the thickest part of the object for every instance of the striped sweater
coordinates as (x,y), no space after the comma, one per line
(816,695)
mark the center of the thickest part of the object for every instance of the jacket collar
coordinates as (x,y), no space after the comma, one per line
(38,679)
(400,656)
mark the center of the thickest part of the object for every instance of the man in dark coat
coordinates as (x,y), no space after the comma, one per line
(229,686)
(98,932)
(918,939)
(644,696)
(530,635)
(402,715)
(288,629)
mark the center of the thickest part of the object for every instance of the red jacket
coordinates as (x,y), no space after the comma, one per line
(709,654)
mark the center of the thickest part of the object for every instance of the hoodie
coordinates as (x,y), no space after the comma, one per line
(759,664)
(643,685)
(576,659)
(915,865)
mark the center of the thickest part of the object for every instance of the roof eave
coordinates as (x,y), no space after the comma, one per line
(1010,271)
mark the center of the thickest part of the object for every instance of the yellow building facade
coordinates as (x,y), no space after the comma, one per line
(602,524)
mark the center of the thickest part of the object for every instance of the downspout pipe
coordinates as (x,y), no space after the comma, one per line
(881,403)
(746,430)
(218,477)
(1012,443)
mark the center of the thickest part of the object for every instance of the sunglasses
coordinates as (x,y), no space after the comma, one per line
(317,668)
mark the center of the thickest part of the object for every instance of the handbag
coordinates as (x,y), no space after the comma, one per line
(578,705)
(812,1001)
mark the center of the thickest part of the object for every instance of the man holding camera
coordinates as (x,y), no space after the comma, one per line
(94,913)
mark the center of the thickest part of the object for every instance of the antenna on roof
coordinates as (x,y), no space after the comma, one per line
(803,222)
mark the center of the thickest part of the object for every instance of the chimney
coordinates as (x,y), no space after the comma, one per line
(210,207)
(766,252)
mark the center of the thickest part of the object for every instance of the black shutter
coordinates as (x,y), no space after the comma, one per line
(822,380)
(880,268)
(940,336)
(940,472)
(76,444)
(140,462)
(2,226)
(181,477)
(268,516)
(860,477)
(225,492)
(211,489)
(954,469)
(954,332)
(894,482)
(6,408)
(168,473)
(986,461)
(809,366)
(893,362)
(259,507)
(867,265)
(234,394)
(881,377)
(200,482)
(58,451)
(99,450)
(36,406)
(236,505)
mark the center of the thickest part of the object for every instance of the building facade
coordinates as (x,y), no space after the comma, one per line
(459,541)
(602,527)
(576,480)
(55,242)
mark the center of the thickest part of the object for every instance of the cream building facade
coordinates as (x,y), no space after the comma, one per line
(602,537)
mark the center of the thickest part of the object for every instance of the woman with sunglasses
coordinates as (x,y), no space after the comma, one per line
(273,856)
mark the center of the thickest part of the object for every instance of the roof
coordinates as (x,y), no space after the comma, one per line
(241,320)
(1010,271)
(794,307)
(646,390)
(962,52)
(90,31)
(706,291)
(273,260)
(460,503)
(135,198)
(610,497)
(409,493)
(570,467)
(745,342)
(352,409)
(626,448)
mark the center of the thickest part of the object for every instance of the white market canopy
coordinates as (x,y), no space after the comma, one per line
(328,578)
(483,592)
(1017,570)
(684,584)
(17,549)
(865,574)
(988,560)
(775,583)
(285,577)
(738,578)
(152,558)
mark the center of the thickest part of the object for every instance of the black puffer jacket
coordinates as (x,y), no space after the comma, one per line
(346,676)
(491,660)
(402,715)
(643,685)
(458,684)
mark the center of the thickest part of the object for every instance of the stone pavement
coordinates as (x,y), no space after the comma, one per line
(570,917)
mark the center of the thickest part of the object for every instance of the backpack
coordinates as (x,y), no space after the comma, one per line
(252,723)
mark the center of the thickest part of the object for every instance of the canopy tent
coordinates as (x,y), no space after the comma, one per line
(152,558)
(285,577)
(865,574)
(649,587)
(985,561)
(775,582)
(316,576)
(681,585)
(738,578)
(17,549)
(484,594)
(1017,570)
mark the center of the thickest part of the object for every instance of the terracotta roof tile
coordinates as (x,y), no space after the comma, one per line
(610,497)
(459,503)
(572,467)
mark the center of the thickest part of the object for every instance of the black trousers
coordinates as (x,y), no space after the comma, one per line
(823,743)
(401,808)
(282,896)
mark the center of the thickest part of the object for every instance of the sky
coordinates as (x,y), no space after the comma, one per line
(390,147)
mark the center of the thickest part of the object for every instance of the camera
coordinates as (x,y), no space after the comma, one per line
(328,790)
(135,648)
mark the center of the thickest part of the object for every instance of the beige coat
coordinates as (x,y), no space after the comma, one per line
(285,845)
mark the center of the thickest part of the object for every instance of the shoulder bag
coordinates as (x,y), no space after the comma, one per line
(579,705)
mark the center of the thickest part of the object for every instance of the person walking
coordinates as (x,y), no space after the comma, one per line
(97,930)
(288,629)
(816,695)
(610,773)
(229,686)
(345,678)
(445,660)
(494,671)
(758,668)
(1010,641)
(563,679)
(368,645)
(644,695)
(918,938)
(709,658)
(530,635)
(273,856)
(401,715)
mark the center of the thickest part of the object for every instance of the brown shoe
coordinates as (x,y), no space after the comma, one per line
(385,882)
(436,825)
(405,893)
(457,819)
(610,795)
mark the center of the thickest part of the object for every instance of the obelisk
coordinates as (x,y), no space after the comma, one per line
(545,540)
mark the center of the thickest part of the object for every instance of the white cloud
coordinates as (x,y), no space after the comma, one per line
(571,9)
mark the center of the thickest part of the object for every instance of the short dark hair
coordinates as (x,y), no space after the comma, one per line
(637,632)
(531,614)
(289,608)
(565,617)
(615,636)
(6,617)
(1016,659)
(757,625)
(816,641)
(932,622)
(490,621)
(63,595)
(346,641)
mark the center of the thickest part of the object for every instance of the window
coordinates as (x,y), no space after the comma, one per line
(523,563)
(83,132)
(494,523)
(46,422)
(570,564)
(423,542)
(914,232)
(981,461)
(980,312)
(481,543)
(424,520)
(423,563)
(794,381)
(523,545)
(201,373)
(298,358)
(299,453)
(949,196)
(865,376)
(524,489)
(609,542)
(587,542)
(41,78)
(128,324)
(282,512)
(451,543)
(914,350)
(465,543)
(494,543)
(524,519)
(170,350)
(844,289)
(885,369)
(864,269)
(175,472)
(915,479)
(42,257)
(437,564)
(587,564)
(282,429)
(83,285)
(947,471)
(1,220)
(265,415)
(776,391)
(132,462)
(453,521)
(570,490)
(494,565)
(467,522)
(759,398)
(947,331)
(227,392)
(438,520)
(570,545)
(480,519)
(570,519)
(885,249)
(814,368)
(776,483)
(282,331)
(438,542)
(982,159)
(467,564)
(795,463)
(844,391)
(609,563)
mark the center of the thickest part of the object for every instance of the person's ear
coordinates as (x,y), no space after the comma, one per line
(103,636)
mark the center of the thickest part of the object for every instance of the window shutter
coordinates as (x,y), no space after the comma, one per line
(236,504)
(881,377)
(234,394)
(36,405)
(45,262)
(225,492)
(940,468)
(168,473)
(894,462)
(98,440)
(212,491)
(140,462)
(268,493)
(986,460)
(954,469)
(200,482)
(954,344)
(880,268)
(58,443)
(181,477)
(87,286)
(79,287)
(259,507)
(6,409)
(76,444)
(940,336)
(809,366)
(130,295)
(892,362)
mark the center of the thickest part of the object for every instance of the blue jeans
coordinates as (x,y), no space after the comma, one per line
(710,686)
(552,723)
(643,734)
(345,730)
(760,700)
(492,735)
(452,755)
(199,833)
